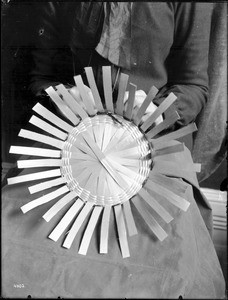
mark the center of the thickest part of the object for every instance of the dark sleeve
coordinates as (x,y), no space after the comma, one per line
(51,40)
(187,63)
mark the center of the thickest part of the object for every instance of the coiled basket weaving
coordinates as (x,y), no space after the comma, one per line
(102,158)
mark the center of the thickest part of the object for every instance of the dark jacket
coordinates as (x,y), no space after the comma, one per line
(169,49)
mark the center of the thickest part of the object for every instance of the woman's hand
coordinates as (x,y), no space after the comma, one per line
(140,96)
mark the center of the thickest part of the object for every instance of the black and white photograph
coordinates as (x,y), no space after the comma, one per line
(114,149)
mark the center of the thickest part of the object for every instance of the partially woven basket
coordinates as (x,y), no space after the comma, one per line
(104,162)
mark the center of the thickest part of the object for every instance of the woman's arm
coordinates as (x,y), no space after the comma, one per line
(187,63)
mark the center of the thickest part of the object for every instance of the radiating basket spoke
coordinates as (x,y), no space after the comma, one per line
(93,86)
(172,168)
(45,113)
(168,150)
(113,187)
(66,220)
(149,219)
(130,102)
(46,185)
(41,138)
(44,199)
(160,110)
(77,224)
(62,106)
(34,176)
(121,92)
(89,230)
(81,175)
(105,229)
(148,100)
(34,151)
(48,128)
(174,184)
(133,163)
(132,230)
(98,133)
(163,125)
(36,163)
(132,152)
(106,136)
(59,205)
(85,96)
(107,83)
(175,134)
(126,171)
(175,199)
(79,145)
(71,102)
(102,185)
(122,233)
(154,204)
(117,136)
(91,184)
(81,156)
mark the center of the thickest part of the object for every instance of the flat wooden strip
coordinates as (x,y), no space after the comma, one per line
(59,205)
(114,188)
(46,114)
(34,176)
(175,199)
(163,125)
(85,97)
(115,139)
(82,156)
(149,219)
(41,138)
(132,162)
(104,230)
(66,220)
(132,230)
(121,92)
(81,175)
(106,136)
(89,230)
(33,163)
(93,146)
(34,151)
(101,188)
(175,134)
(160,110)
(154,204)
(126,171)
(46,185)
(98,133)
(122,233)
(150,96)
(71,102)
(92,182)
(115,175)
(44,199)
(130,101)
(171,167)
(131,152)
(61,105)
(177,186)
(107,83)
(77,224)
(93,87)
(48,128)
(168,150)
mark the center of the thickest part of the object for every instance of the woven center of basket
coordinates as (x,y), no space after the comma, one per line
(106,159)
